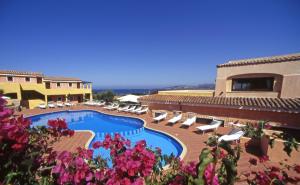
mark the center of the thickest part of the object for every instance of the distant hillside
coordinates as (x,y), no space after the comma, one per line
(193,87)
(121,92)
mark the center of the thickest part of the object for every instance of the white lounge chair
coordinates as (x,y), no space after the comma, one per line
(130,109)
(136,109)
(51,105)
(113,107)
(86,103)
(126,108)
(60,104)
(234,135)
(123,108)
(214,125)
(42,106)
(108,106)
(188,122)
(144,110)
(236,124)
(89,103)
(101,103)
(161,117)
(175,119)
(69,104)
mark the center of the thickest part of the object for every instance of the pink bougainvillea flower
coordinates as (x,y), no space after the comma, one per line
(275,169)
(297,168)
(79,162)
(58,124)
(210,174)
(263,159)
(57,169)
(68,132)
(190,168)
(253,161)
(96,144)
(138,181)
(127,143)
(17,147)
(89,177)
(178,180)
(99,175)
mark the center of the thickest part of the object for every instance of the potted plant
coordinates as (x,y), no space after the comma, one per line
(258,139)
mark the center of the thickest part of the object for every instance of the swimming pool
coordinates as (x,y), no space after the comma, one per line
(102,124)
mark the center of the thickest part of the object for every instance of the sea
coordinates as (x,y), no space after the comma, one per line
(121,92)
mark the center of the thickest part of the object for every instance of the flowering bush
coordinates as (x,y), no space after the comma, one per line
(217,165)
(25,152)
(256,130)
(270,174)
(27,158)
(130,165)
(290,142)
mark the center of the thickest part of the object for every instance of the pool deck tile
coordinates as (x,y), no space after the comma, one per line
(193,140)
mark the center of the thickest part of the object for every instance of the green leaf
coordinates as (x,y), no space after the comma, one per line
(231,170)
(204,161)
(226,146)
(10,176)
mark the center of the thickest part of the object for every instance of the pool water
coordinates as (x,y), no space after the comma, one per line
(102,124)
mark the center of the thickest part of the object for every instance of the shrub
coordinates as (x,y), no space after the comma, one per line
(25,152)
(107,96)
(27,158)
(256,130)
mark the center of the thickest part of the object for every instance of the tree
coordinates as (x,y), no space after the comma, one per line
(107,96)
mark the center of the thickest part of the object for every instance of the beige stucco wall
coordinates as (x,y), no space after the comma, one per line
(286,74)
(64,85)
(18,79)
(208,93)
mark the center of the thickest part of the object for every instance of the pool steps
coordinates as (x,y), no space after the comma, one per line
(129,133)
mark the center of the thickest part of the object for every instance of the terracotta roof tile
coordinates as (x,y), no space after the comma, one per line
(13,72)
(262,60)
(266,104)
(50,78)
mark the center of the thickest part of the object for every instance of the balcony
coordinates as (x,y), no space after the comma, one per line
(57,91)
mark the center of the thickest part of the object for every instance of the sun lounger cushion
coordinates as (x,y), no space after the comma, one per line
(175,119)
(160,117)
(232,137)
(214,125)
(189,121)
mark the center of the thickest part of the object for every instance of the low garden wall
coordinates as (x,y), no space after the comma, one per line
(283,119)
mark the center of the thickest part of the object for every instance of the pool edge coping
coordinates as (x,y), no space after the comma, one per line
(184,148)
(181,156)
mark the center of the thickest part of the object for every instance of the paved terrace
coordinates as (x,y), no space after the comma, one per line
(193,140)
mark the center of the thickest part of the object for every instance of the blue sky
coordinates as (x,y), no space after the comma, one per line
(133,44)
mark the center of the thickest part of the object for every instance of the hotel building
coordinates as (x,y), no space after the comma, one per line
(31,89)
(271,77)
(248,90)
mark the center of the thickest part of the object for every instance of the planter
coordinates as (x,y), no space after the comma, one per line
(258,146)
(264,144)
